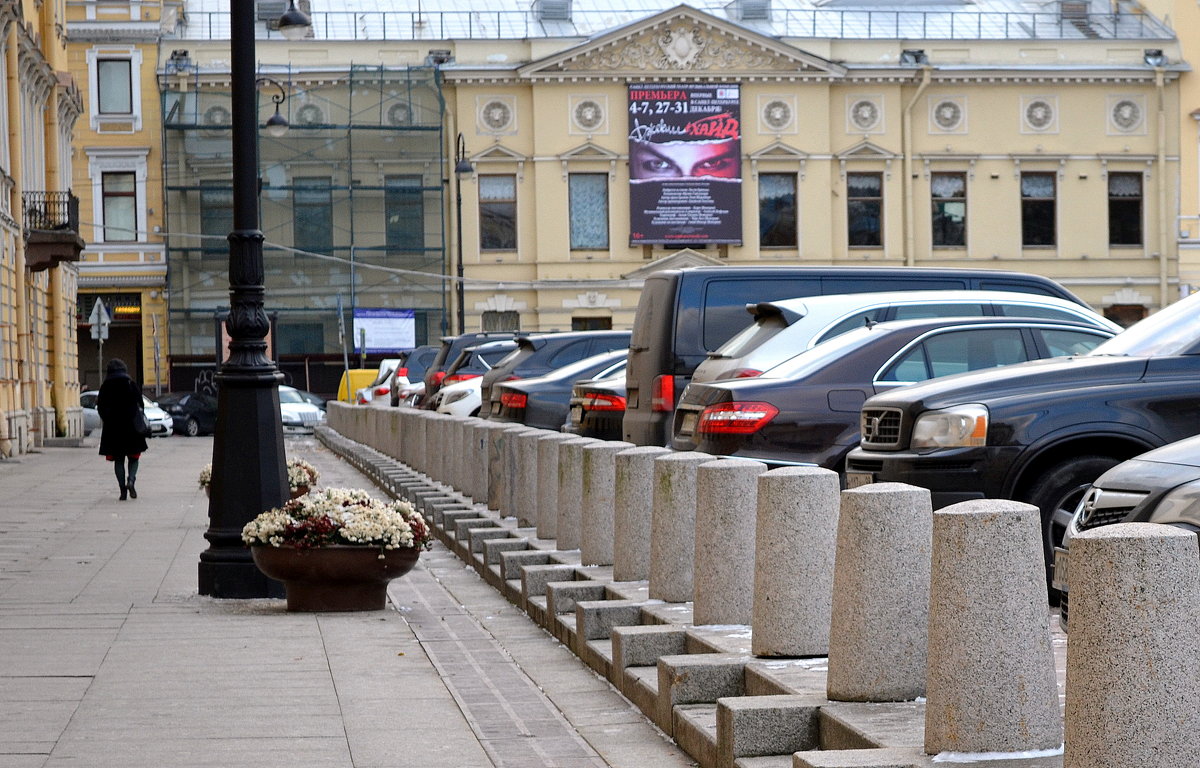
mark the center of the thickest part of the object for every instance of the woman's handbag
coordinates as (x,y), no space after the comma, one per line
(140,425)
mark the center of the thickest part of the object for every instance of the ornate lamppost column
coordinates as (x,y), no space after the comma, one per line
(462,171)
(249,474)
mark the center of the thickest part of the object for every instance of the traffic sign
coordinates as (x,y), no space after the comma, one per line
(99,320)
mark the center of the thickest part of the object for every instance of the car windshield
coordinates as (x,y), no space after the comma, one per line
(1172,330)
(289,396)
(823,354)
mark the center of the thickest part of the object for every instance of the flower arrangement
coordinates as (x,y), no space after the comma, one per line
(300,474)
(339,516)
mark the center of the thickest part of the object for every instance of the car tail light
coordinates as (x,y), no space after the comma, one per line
(745,373)
(383,390)
(460,377)
(735,418)
(511,377)
(602,402)
(401,372)
(663,397)
(513,399)
(437,377)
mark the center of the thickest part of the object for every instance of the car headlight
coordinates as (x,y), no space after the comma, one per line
(1180,507)
(957,427)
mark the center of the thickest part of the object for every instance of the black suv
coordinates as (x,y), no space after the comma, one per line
(539,353)
(1042,431)
(452,346)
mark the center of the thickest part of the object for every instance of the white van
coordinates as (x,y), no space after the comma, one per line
(783,329)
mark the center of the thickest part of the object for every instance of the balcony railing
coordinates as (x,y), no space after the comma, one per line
(51,229)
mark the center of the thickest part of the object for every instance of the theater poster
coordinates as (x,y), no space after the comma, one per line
(685,164)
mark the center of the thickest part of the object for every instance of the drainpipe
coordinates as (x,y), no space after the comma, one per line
(910,235)
(1161,177)
(58,325)
(15,102)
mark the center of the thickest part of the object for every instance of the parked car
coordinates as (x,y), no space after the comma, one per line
(806,409)
(299,416)
(375,392)
(780,329)
(543,401)
(1043,431)
(161,424)
(353,379)
(684,314)
(539,353)
(597,407)
(459,398)
(309,397)
(192,413)
(411,373)
(1160,486)
(448,352)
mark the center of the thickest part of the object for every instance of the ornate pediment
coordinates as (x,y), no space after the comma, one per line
(678,260)
(866,150)
(683,40)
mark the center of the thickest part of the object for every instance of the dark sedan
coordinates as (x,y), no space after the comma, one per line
(543,401)
(597,408)
(806,410)
(193,413)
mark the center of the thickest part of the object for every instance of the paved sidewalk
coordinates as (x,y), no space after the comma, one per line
(108,657)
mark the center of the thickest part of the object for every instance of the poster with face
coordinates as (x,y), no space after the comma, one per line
(685,164)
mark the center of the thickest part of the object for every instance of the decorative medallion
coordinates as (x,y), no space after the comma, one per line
(496,116)
(681,46)
(218,115)
(309,114)
(1039,115)
(1126,115)
(864,115)
(588,115)
(777,115)
(400,113)
(948,115)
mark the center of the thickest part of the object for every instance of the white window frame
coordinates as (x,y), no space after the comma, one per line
(103,160)
(107,123)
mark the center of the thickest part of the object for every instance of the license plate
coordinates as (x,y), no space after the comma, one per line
(859,479)
(576,414)
(688,425)
(1059,579)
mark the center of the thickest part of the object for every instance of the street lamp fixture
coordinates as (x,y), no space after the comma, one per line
(294,24)
(248,474)
(462,171)
(277,124)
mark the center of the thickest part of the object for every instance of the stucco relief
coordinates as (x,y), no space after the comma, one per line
(682,47)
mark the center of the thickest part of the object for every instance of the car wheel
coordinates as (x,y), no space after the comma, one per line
(191,427)
(1057,493)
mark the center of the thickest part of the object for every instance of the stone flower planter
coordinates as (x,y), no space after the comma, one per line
(335,578)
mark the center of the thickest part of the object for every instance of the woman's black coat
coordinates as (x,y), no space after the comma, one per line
(119,397)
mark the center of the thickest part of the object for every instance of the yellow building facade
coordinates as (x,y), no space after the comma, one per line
(1057,154)
(113,55)
(39,242)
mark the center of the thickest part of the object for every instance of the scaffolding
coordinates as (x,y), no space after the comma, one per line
(351,201)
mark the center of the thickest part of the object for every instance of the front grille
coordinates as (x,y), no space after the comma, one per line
(1100,507)
(863,465)
(880,427)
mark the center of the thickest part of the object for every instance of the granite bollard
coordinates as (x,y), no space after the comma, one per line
(878,629)
(726,504)
(597,499)
(570,492)
(1133,675)
(497,469)
(633,502)
(547,483)
(796,538)
(988,591)
(525,477)
(673,526)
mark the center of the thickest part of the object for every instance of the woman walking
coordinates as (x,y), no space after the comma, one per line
(119,400)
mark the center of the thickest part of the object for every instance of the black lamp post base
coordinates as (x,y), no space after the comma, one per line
(237,581)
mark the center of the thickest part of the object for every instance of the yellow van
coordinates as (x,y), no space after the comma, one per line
(353,380)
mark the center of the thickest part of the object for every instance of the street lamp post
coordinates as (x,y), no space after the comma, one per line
(462,171)
(248,475)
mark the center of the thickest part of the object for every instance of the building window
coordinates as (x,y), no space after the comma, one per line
(589,210)
(216,217)
(498,212)
(119,194)
(115,86)
(864,208)
(591,323)
(312,226)
(949,196)
(1124,209)
(404,207)
(777,210)
(1037,209)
